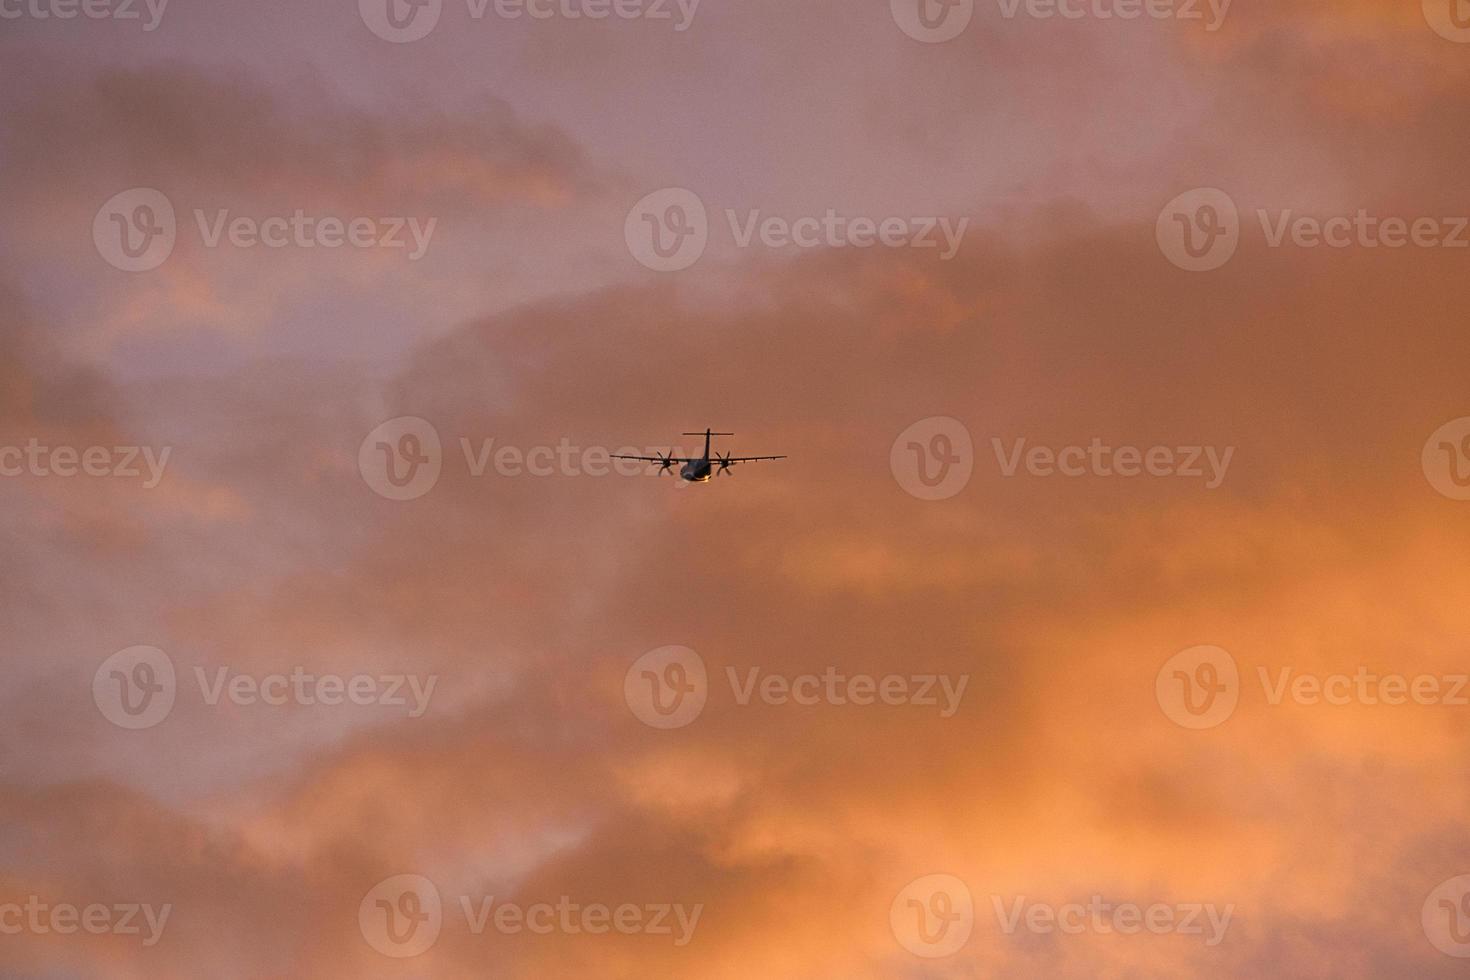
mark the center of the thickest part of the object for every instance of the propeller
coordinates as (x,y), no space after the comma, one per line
(724,462)
(665,463)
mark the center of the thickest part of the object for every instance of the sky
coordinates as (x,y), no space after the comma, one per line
(1105,617)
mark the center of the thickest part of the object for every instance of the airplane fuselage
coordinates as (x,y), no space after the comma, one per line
(696,471)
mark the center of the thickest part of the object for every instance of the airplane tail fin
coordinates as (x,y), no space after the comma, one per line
(707,433)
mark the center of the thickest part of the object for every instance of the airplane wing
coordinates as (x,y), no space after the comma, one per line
(743,459)
(655,459)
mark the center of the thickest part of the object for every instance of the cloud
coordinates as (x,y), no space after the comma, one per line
(223,145)
(1059,600)
(527,598)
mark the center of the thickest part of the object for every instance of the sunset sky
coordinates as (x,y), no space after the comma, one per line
(1121,369)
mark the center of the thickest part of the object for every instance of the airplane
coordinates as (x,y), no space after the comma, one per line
(699,470)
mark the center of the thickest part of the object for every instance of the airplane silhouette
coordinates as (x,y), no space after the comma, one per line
(701,469)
